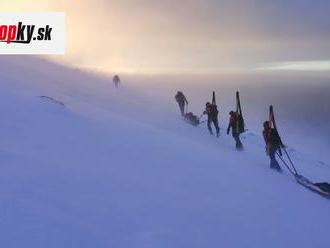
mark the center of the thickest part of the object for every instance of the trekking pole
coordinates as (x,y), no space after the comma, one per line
(294,173)
(294,168)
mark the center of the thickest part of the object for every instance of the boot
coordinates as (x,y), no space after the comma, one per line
(274,165)
(239,146)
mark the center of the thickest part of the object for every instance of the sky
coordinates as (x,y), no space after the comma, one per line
(191,36)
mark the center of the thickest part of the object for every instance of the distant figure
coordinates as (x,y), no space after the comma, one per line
(273,143)
(212,117)
(182,101)
(233,122)
(116,81)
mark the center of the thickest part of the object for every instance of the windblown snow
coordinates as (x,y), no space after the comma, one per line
(87,165)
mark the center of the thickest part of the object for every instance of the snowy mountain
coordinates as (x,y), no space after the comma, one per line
(86,165)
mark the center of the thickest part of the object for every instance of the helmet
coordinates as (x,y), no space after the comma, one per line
(231,112)
(207,104)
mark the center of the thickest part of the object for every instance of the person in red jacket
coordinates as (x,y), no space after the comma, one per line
(233,126)
(273,144)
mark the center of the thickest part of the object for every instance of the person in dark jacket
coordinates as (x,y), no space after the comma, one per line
(116,81)
(233,126)
(182,101)
(212,117)
(273,144)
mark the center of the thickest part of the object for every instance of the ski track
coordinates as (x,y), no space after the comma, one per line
(120,169)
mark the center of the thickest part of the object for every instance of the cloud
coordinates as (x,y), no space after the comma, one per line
(193,34)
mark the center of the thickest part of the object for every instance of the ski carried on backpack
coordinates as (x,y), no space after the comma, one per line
(240,125)
(213,98)
(272,121)
(273,125)
(214,104)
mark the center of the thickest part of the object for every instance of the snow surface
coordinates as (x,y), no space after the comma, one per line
(119,168)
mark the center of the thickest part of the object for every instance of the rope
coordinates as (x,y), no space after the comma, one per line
(294,173)
(294,168)
(202,122)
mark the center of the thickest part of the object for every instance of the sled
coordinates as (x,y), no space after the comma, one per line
(191,119)
(322,189)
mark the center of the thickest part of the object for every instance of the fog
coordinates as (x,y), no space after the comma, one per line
(301,101)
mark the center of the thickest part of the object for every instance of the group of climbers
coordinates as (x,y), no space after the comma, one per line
(235,125)
(211,110)
(273,142)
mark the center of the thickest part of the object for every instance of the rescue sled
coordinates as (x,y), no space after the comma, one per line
(191,119)
(322,189)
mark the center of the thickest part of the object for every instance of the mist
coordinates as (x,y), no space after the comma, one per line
(301,101)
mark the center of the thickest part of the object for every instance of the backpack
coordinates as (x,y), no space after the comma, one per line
(240,124)
(274,138)
(323,186)
(213,110)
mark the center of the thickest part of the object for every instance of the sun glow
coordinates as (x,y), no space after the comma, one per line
(298,66)
(183,37)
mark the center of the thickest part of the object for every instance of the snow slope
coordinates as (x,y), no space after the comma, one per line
(120,169)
